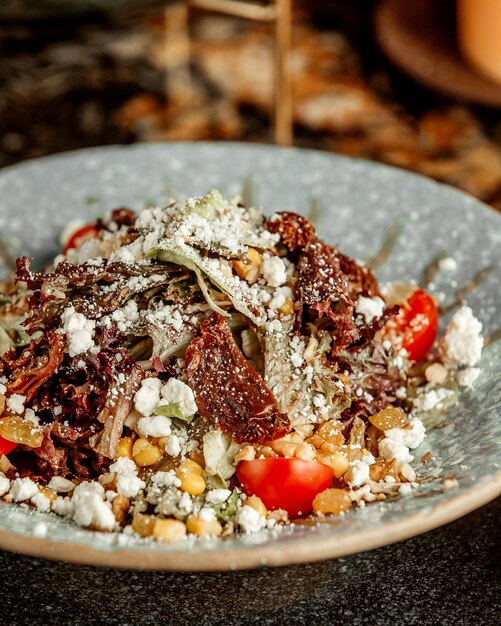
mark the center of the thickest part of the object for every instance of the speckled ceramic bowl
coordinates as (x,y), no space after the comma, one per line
(357,201)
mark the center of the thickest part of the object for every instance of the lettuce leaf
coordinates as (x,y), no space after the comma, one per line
(219,451)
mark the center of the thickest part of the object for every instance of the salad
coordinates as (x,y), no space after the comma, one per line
(200,369)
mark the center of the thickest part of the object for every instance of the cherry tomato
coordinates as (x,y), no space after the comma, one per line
(416,325)
(6,446)
(89,231)
(288,484)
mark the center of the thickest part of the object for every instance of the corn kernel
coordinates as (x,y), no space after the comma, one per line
(339,463)
(203,528)
(189,467)
(257,504)
(145,453)
(125,447)
(192,483)
(287,308)
(143,524)
(333,501)
(249,270)
(169,530)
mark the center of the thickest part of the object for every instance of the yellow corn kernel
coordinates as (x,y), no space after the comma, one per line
(145,453)
(192,483)
(337,461)
(48,493)
(247,270)
(287,308)
(125,447)
(189,467)
(143,524)
(169,530)
(203,528)
(333,501)
(257,504)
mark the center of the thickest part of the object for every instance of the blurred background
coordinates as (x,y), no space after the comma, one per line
(411,84)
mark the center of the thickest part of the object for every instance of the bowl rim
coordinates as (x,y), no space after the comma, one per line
(299,551)
(272,555)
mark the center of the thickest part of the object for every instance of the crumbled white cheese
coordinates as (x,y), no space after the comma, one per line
(390,449)
(369,459)
(60,484)
(207,514)
(173,446)
(63,507)
(217,496)
(370,308)
(273,270)
(15,403)
(435,373)
(79,331)
(357,474)
(91,510)
(147,397)
(405,489)
(128,482)
(23,489)
(429,399)
(412,436)
(31,416)
(463,342)
(154,426)
(4,485)
(41,501)
(130,486)
(467,377)
(166,479)
(250,520)
(174,391)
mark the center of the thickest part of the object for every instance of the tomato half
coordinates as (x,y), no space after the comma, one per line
(416,325)
(89,231)
(288,484)
(6,446)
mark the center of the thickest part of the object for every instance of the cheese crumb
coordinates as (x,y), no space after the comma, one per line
(411,437)
(60,484)
(462,343)
(370,308)
(390,449)
(154,426)
(175,391)
(217,496)
(15,403)
(249,520)
(91,510)
(467,377)
(79,331)
(357,474)
(147,397)
(4,485)
(41,501)
(23,489)
(274,271)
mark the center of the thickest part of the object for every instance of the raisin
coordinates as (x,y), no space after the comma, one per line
(228,390)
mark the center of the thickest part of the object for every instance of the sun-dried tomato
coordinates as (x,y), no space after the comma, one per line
(361,278)
(30,380)
(228,390)
(295,231)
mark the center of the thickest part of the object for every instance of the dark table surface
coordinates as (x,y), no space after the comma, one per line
(450,576)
